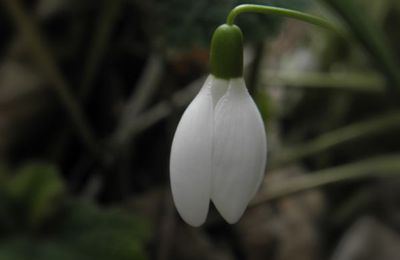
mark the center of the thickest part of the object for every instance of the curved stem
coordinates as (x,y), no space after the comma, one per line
(263,9)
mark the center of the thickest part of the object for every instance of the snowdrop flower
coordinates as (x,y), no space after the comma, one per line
(219,148)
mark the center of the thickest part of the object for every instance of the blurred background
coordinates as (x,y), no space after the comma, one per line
(91,93)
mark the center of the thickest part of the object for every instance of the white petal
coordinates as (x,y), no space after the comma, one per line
(190,162)
(218,89)
(239,152)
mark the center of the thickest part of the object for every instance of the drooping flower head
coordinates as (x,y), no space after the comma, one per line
(219,149)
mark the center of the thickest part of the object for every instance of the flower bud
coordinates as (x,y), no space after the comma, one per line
(226,55)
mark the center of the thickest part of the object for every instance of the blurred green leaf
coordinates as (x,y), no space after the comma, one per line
(105,234)
(371,37)
(263,102)
(37,191)
(34,195)
(330,140)
(25,248)
(82,215)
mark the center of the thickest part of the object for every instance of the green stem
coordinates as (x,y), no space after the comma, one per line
(263,9)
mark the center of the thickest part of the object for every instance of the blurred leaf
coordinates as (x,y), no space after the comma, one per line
(33,196)
(50,250)
(105,234)
(24,248)
(37,191)
(371,37)
(263,102)
(379,125)
(383,166)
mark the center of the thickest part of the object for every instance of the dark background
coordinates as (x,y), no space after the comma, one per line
(91,93)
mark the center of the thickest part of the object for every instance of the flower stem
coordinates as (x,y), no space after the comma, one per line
(263,9)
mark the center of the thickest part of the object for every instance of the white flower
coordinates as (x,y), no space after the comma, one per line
(218,152)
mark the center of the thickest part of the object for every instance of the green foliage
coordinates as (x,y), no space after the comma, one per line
(264,104)
(23,248)
(371,37)
(110,234)
(39,221)
(36,191)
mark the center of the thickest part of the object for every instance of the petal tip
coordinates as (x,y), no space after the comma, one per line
(232,218)
(194,223)
(195,217)
(231,212)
